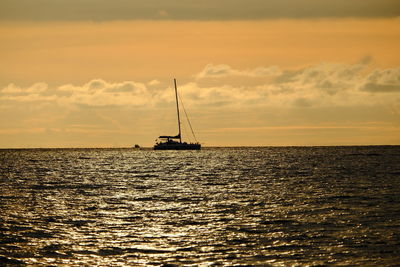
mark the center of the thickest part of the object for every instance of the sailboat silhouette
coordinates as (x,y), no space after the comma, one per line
(175,142)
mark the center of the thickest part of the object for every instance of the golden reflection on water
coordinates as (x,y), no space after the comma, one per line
(278,206)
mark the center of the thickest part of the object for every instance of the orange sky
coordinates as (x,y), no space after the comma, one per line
(140,50)
(47,69)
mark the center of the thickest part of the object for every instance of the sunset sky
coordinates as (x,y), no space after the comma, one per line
(97,73)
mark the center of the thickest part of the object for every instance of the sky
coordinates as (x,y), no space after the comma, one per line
(97,73)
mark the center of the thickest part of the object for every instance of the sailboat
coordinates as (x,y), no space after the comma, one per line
(175,142)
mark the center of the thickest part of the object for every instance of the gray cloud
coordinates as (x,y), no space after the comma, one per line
(288,76)
(326,84)
(382,81)
(381,88)
(103,10)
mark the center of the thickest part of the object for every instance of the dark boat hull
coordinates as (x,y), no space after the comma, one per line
(177,146)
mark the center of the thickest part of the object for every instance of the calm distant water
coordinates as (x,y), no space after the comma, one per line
(226,206)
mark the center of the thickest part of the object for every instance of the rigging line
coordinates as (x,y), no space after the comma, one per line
(185,130)
(187,118)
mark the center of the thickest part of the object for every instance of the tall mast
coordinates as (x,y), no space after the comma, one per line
(177,111)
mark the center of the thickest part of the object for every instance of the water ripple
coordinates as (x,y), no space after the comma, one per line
(228,206)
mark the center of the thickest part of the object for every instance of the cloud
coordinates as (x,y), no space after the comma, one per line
(322,75)
(218,96)
(102,10)
(223,70)
(215,71)
(96,92)
(302,102)
(382,81)
(16,90)
(154,82)
(101,86)
(320,85)
(380,88)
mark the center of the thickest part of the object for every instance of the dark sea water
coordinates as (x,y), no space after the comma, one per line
(278,206)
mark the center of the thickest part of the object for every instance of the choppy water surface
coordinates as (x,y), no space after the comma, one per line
(254,206)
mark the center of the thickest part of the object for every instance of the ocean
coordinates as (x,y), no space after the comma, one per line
(266,206)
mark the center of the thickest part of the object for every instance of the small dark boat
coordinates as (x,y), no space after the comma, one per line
(167,142)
